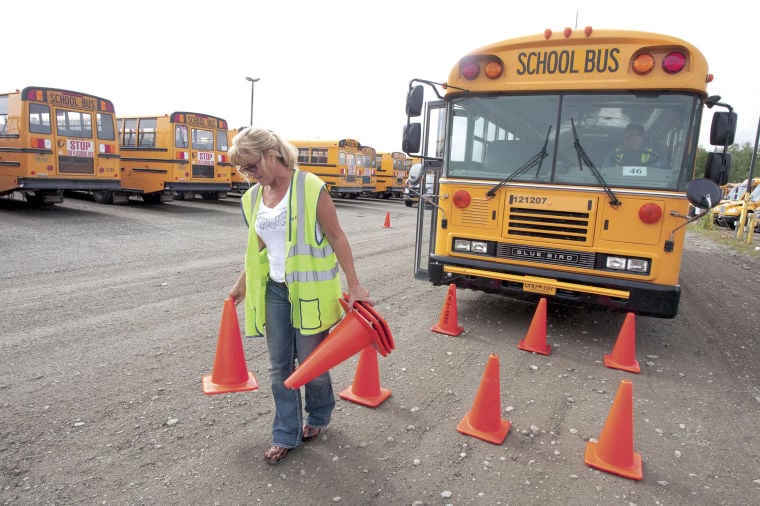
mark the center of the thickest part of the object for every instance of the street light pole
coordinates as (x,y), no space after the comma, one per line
(253,81)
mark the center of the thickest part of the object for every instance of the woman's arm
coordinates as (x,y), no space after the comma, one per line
(327,216)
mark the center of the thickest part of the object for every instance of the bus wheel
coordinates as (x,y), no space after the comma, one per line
(102,196)
(44,198)
(152,198)
(210,195)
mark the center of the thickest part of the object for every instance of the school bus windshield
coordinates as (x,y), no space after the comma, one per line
(493,137)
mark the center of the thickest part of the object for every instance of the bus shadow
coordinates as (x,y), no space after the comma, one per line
(21,207)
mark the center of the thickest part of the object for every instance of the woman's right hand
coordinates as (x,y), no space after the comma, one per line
(237,292)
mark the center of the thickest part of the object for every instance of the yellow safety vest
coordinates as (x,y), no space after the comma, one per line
(620,155)
(311,267)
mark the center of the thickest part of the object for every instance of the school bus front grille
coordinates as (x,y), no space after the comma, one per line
(203,171)
(549,224)
(545,255)
(76,165)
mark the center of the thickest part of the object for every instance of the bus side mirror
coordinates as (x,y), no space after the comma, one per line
(703,193)
(414,101)
(717,167)
(412,137)
(723,128)
(415,173)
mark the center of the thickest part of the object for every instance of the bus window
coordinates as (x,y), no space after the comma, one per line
(74,124)
(39,119)
(180,136)
(105,127)
(3,113)
(221,141)
(203,139)
(146,135)
(318,155)
(129,132)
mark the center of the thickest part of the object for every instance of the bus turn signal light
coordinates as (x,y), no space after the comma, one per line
(643,64)
(650,213)
(494,69)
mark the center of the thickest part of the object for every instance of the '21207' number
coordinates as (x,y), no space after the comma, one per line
(526,199)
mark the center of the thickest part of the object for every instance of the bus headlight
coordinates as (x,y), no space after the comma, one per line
(617,263)
(637,265)
(462,245)
(470,246)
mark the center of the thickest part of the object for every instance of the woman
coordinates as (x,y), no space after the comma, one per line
(290,282)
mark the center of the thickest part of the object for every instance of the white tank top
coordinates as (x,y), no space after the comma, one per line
(270,226)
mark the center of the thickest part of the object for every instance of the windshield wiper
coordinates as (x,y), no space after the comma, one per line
(583,158)
(535,160)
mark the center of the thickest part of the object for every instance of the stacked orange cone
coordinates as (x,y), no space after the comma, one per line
(447,322)
(613,452)
(230,373)
(359,328)
(484,420)
(535,339)
(366,388)
(623,355)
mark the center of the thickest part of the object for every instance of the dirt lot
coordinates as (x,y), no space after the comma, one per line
(110,316)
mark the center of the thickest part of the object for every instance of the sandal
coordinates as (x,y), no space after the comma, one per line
(310,433)
(275,454)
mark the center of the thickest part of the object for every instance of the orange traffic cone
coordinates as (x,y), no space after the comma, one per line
(484,420)
(387,223)
(623,355)
(366,389)
(351,335)
(230,373)
(535,339)
(614,451)
(447,323)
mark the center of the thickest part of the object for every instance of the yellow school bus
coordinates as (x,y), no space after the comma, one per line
(337,162)
(178,155)
(52,140)
(390,174)
(538,194)
(238,184)
(368,169)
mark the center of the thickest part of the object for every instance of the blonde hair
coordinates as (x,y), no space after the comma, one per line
(251,143)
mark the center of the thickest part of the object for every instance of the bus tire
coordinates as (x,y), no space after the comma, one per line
(102,196)
(152,198)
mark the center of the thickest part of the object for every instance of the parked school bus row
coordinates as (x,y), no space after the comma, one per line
(54,140)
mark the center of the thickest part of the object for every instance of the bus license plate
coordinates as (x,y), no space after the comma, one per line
(532,286)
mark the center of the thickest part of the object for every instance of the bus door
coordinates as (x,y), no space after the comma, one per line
(427,207)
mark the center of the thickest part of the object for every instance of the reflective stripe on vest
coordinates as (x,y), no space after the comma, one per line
(646,155)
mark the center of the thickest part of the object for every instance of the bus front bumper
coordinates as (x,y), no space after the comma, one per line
(644,299)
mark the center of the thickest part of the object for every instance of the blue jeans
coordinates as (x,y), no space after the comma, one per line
(285,345)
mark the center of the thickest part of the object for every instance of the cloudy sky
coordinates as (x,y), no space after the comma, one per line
(329,68)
